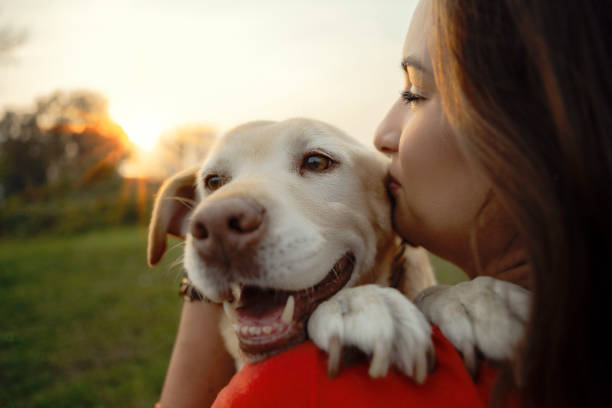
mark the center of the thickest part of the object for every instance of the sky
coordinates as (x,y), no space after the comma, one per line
(163,63)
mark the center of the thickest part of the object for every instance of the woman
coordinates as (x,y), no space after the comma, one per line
(526,86)
(502,163)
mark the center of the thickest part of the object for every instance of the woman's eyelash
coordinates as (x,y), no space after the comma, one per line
(409,97)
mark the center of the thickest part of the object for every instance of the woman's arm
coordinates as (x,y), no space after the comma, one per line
(200,365)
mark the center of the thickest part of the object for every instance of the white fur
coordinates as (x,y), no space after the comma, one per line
(483,314)
(379,321)
(314,219)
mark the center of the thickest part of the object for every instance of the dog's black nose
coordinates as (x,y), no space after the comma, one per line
(227,227)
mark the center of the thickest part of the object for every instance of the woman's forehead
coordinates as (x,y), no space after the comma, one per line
(417,39)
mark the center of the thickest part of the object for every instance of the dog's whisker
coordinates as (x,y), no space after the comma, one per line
(178,262)
(177,268)
(188,202)
(177,245)
(178,277)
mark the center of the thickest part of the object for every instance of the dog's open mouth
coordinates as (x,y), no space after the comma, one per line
(269,320)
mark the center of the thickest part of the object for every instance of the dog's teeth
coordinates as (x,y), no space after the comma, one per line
(236,291)
(276,326)
(267,329)
(230,311)
(244,330)
(254,331)
(287,316)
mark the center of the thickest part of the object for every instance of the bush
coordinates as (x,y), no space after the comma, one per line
(69,209)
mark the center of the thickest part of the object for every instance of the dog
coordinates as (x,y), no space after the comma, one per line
(288,225)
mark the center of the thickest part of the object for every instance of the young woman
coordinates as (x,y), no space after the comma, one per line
(502,163)
(525,86)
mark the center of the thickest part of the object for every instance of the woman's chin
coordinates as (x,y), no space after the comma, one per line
(403,227)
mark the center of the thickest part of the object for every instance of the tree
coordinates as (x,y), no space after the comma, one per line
(185,146)
(67,136)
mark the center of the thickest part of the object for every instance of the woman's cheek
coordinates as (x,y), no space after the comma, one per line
(439,188)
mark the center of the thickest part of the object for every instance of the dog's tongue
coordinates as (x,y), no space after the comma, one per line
(260,316)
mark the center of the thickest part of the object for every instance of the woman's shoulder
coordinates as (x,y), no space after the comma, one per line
(298,378)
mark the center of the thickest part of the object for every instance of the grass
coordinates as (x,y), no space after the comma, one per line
(84,321)
(446,272)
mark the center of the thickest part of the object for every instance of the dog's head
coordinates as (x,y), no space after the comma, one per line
(280,217)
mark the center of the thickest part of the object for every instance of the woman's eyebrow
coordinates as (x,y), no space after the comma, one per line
(411,61)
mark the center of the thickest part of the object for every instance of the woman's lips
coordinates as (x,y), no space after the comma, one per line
(393,185)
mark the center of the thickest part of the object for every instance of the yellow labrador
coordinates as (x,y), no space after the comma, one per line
(280,221)
(288,225)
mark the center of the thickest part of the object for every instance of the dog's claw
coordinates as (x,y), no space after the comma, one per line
(482,318)
(469,358)
(419,371)
(379,365)
(335,357)
(379,322)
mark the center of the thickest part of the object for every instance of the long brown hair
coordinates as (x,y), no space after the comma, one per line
(528,86)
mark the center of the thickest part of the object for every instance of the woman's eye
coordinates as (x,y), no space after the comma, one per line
(411,98)
(316,162)
(213,182)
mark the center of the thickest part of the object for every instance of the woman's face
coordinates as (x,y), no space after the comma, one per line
(437,194)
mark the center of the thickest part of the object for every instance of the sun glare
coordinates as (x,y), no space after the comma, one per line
(142,127)
(144,133)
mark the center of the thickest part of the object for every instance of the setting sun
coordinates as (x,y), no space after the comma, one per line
(143,132)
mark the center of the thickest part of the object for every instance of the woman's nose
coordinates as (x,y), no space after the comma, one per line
(387,135)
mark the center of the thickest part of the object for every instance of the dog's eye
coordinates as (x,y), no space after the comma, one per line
(316,162)
(213,182)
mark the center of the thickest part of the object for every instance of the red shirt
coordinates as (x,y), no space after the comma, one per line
(298,378)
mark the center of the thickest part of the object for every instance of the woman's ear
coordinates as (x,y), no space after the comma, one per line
(175,201)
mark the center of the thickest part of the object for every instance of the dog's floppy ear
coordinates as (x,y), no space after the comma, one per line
(174,202)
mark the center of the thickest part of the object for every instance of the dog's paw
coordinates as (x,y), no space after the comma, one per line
(380,322)
(484,315)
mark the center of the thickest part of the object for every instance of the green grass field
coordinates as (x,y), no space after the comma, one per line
(85,323)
